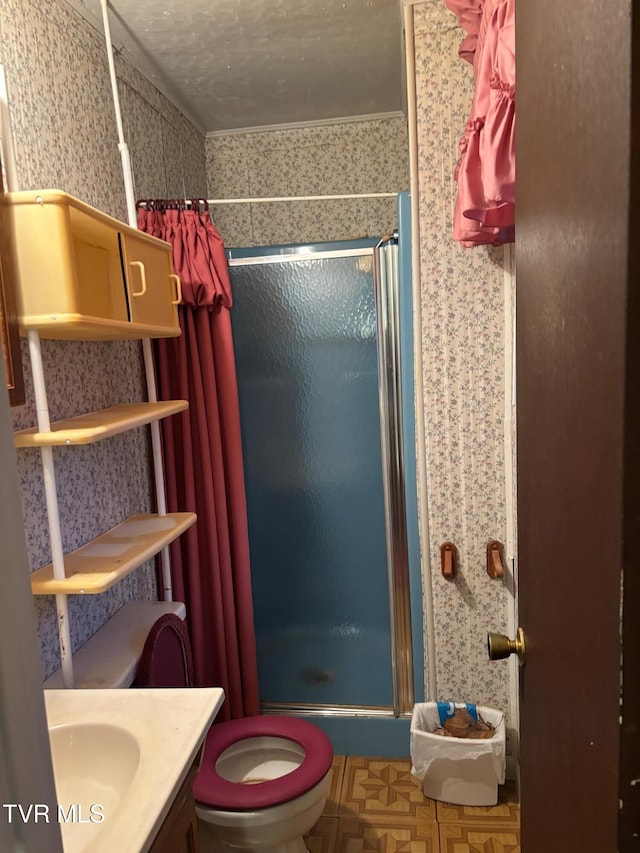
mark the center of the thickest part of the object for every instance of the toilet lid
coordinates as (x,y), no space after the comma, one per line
(213,790)
(166,657)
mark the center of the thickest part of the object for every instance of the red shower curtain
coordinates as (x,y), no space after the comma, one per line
(203,460)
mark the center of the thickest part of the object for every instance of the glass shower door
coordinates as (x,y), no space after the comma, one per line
(305,339)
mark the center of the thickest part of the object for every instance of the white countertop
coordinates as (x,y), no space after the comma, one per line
(168,726)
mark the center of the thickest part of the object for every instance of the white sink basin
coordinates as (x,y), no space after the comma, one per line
(119,758)
(93,765)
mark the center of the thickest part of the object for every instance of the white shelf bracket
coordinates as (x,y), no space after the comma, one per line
(152,394)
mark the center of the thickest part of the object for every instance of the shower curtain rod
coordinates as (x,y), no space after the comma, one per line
(289,198)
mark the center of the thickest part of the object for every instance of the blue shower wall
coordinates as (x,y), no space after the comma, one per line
(306,350)
(358,734)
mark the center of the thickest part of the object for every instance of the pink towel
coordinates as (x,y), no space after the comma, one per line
(485,206)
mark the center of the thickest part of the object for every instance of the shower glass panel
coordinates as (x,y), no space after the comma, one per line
(305,338)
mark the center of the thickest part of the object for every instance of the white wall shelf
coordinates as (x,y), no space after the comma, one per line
(104,281)
(110,658)
(87,429)
(103,562)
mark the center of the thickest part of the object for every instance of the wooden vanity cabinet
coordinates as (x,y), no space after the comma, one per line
(84,275)
(179,832)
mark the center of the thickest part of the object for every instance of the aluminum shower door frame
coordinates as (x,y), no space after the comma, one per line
(386,281)
(387,300)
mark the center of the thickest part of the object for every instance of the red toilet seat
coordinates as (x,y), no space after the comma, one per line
(211,789)
(166,662)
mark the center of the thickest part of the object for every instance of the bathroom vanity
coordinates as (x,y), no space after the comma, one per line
(124,763)
(179,832)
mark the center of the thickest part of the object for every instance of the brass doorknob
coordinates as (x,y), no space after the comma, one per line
(500,646)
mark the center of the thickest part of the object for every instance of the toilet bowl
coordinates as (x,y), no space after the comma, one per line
(263,781)
(262,784)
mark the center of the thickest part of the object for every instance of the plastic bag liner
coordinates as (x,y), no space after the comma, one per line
(426,746)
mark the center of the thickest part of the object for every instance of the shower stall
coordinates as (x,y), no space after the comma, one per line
(323,343)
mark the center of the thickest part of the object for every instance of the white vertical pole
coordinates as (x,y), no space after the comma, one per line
(44,422)
(421,453)
(158,469)
(53,514)
(8,152)
(122,145)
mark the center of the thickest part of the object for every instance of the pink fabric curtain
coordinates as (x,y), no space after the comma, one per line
(485,205)
(203,461)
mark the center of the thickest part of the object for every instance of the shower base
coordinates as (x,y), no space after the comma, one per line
(343,666)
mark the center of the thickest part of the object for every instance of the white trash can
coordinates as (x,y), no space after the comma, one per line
(465,771)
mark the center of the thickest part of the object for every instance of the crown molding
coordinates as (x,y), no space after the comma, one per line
(294,125)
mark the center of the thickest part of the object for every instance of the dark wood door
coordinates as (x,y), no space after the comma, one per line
(577,432)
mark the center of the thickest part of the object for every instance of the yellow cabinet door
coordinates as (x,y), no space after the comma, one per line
(153,288)
(70,282)
(99,284)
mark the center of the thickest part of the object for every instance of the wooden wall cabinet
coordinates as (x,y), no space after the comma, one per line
(84,275)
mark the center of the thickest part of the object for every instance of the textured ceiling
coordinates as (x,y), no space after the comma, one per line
(244,63)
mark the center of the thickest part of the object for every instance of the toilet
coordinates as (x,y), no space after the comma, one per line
(263,781)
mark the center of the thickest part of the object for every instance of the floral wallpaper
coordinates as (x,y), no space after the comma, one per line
(463,383)
(332,159)
(462,316)
(65,137)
